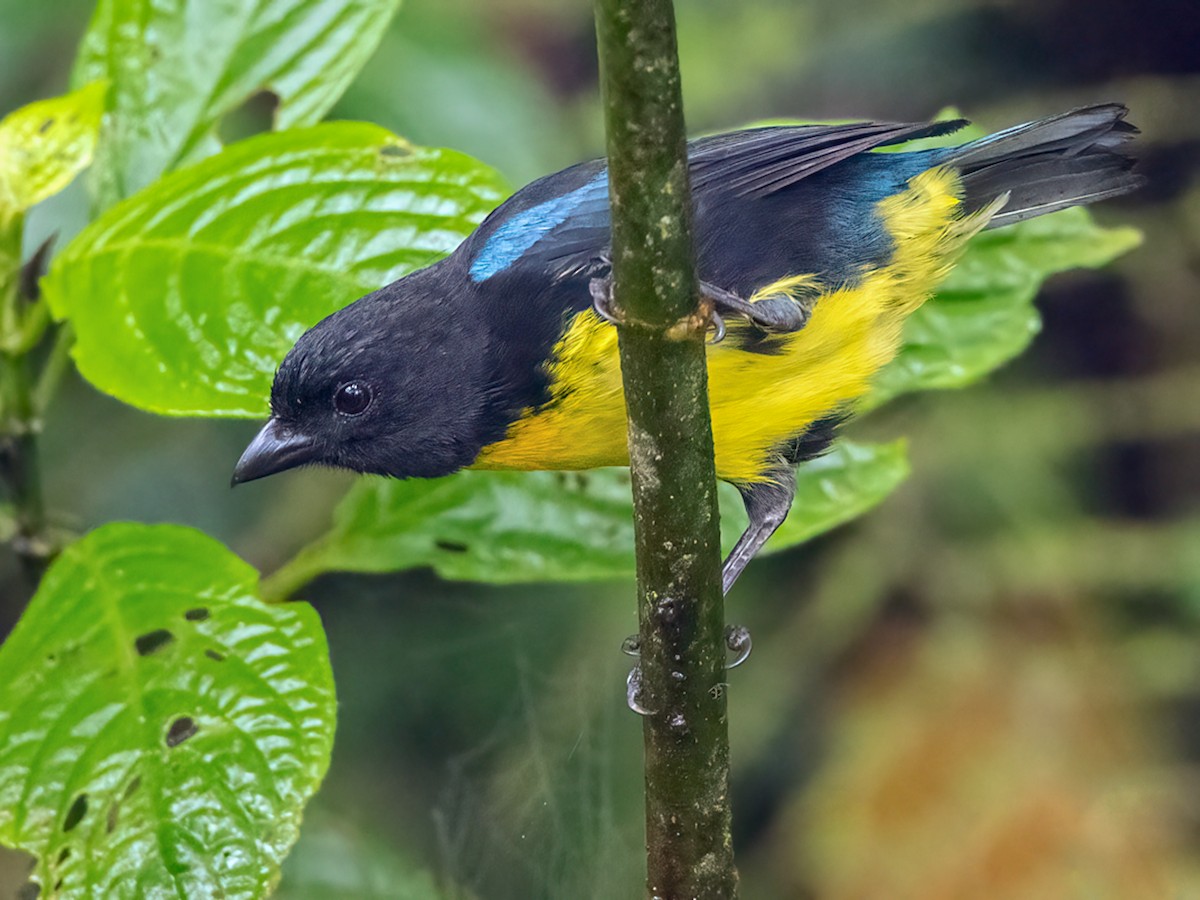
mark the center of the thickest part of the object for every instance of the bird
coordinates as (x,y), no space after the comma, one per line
(813,247)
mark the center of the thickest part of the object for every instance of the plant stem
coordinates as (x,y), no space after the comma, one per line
(20,420)
(282,584)
(20,472)
(680,604)
(58,361)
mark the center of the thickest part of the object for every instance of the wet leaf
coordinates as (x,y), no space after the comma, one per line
(178,66)
(555,526)
(146,750)
(185,298)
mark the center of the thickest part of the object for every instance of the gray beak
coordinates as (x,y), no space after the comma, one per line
(273,449)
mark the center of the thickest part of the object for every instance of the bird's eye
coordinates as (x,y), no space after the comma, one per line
(352,398)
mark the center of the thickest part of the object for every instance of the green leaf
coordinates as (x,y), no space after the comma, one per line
(983,314)
(185,297)
(497,527)
(471,96)
(44,145)
(160,727)
(177,66)
(507,527)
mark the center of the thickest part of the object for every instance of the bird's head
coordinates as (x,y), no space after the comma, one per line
(394,384)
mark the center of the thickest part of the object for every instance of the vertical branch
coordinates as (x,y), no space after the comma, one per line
(20,327)
(661,338)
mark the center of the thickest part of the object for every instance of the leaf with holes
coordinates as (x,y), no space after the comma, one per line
(160,727)
(46,144)
(983,314)
(555,526)
(178,66)
(185,298)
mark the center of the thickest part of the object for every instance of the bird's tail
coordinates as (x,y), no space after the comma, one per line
(1066,160)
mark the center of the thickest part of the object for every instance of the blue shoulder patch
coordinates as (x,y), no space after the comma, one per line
(514,238)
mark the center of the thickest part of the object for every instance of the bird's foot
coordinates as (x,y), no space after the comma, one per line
(601,290)
(633,692)
(737,640)
(777,314)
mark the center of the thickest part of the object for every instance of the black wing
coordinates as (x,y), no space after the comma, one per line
(558,226)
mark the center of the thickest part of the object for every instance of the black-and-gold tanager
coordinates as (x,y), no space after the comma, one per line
(814,248)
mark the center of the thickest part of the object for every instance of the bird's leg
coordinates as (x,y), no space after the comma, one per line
(778,313)
(737,640)
(767,504)
(633,692)
(601,290)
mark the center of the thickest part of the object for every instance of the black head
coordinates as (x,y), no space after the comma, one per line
(394,384)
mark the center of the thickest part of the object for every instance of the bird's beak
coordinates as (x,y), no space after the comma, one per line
(274,449)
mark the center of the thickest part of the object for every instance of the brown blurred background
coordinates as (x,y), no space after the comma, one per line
(988,688)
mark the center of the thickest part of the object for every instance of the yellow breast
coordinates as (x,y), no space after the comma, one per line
(758,400)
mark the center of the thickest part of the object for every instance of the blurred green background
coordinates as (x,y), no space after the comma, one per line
(988,688)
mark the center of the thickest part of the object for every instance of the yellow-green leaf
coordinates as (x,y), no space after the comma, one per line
(44,145)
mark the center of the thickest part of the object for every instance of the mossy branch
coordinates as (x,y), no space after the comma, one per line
(680,604)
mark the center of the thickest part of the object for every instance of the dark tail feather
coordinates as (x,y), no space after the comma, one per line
(1066,160)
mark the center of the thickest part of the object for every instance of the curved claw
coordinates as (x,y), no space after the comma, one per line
(601,291)
(718,324)
(737,639)
(633,692)
(632,645)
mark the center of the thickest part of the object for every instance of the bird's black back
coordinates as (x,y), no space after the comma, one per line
(768,203)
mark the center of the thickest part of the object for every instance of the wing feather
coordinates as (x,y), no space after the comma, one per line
(560,224)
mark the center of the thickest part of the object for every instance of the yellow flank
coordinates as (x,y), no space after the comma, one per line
(795,286)
(759,400)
